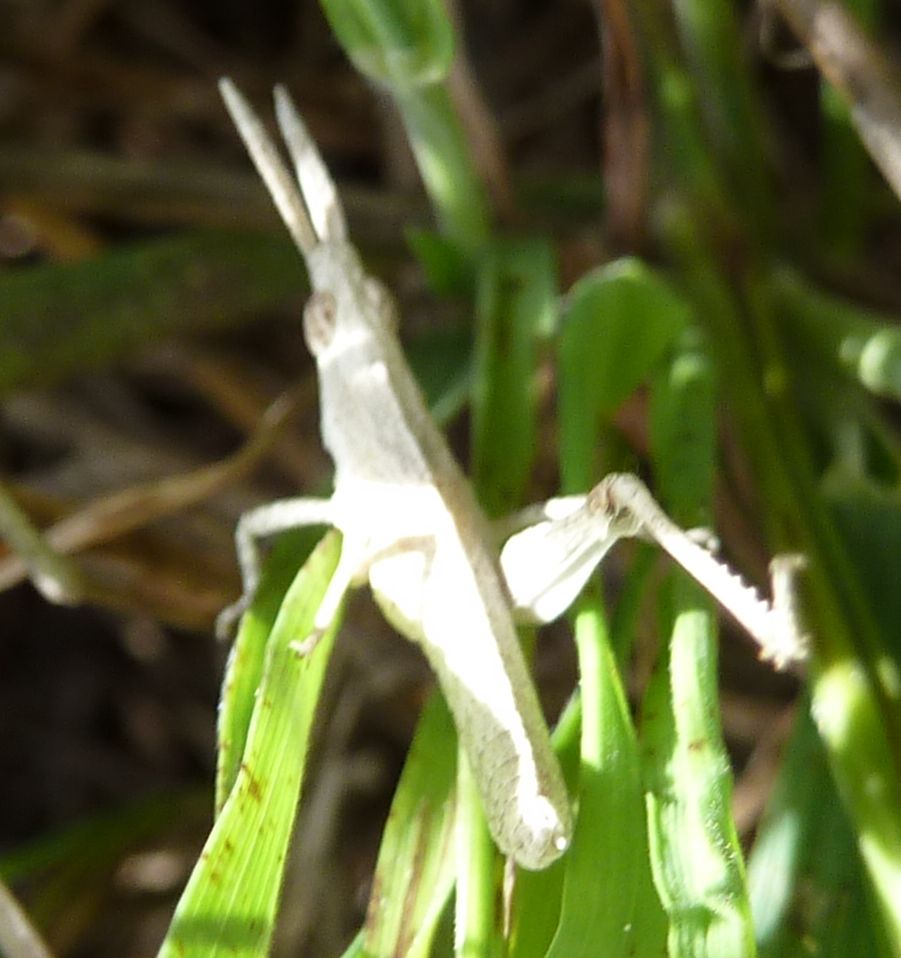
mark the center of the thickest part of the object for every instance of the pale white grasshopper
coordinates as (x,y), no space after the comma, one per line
(411,525)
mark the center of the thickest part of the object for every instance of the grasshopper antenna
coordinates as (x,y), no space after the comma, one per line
(316,183)
(281,185)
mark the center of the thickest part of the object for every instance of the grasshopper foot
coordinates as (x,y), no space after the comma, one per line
(228,619)
(704,537)
(304,647)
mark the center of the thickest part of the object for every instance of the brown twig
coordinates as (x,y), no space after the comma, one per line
(112,516)
(860,70)
(626,128)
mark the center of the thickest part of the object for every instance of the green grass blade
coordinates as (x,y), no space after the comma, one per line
(230,902)
(619,321)
(535,909)
(478,929)
(407,46)
(696,856)
(515,307)
(515,310)
(415,873)
(854,684)
(59,318)
(448,271)
(694,849)
(729,103)
(808,888)
(355,949)
(683,430)
(448,173)
(607,891)
(244,670)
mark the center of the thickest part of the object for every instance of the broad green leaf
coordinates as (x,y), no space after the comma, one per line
(515,310)
(230,903)
(619,321)
(414,875)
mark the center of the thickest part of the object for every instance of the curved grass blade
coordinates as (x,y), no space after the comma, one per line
(609,905)
(619,321)
(407,46)
(229,905)
(400,44)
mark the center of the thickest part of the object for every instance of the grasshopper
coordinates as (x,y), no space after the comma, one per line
(411,525)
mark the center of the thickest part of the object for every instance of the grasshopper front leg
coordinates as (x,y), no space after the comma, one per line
(266,521)
(547,564)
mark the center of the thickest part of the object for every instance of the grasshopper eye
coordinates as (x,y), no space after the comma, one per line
(380,301)
(319,320)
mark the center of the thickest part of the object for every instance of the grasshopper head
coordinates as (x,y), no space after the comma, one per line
(347,305)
